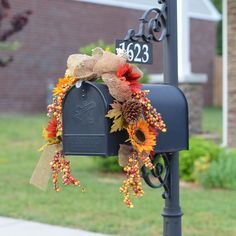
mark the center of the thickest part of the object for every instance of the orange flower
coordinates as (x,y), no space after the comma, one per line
(125,73)
(63,85)
(52,128)
(141,137)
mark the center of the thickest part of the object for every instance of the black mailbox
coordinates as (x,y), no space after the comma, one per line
(86,130)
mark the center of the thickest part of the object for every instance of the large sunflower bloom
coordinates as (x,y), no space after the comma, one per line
(141,137)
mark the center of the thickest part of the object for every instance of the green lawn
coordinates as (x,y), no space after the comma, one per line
(100,208)
(212,120)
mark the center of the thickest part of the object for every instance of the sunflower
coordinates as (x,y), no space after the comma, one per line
(141,137)
(62,85)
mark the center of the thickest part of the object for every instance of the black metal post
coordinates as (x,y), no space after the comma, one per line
(172,212)
(170,55)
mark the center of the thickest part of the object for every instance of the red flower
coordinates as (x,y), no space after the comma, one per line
(52,128)
(125,73)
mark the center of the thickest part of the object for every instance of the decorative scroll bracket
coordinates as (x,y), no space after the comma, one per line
(161,171)
(152,28)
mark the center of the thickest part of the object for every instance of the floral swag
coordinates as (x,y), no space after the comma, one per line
(131,110)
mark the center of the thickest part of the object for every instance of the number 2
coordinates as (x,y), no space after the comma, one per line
(137,59)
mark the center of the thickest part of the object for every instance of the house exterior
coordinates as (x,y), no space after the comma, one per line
(59,28)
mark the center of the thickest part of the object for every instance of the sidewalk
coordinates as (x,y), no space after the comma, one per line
(13,227)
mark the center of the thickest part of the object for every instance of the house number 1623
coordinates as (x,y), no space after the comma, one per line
(140,53)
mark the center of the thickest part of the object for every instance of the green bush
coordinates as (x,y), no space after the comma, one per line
(192,162)
(221,173)
(201,151)
(108,164)
(87,49)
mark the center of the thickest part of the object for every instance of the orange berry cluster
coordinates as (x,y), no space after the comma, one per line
(55,109)
(59,164)
(55,167)
(151,115)
(133,180)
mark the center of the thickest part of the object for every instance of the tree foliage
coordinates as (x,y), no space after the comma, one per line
(16,23)
(218,5)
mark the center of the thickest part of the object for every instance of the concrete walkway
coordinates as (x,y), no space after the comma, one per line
(14,227)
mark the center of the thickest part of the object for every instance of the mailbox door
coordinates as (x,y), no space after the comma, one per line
(84,126)
(86,130)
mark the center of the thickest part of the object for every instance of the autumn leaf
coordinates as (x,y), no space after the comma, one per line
(116,114)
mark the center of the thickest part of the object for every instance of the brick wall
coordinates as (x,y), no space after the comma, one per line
(203,41)
(232,72)
(193,92)
(59,28)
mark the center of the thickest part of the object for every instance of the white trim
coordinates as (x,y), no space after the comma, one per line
(225,74)
(200,16)
(184,64)
(214,16)
(130,5)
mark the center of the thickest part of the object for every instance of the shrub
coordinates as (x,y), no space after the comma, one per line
(87,49)
(221,173)
(108,164)
(192,162)
(202,151)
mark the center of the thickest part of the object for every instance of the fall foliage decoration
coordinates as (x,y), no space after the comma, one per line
(141,137)
(131,111)
(116,114)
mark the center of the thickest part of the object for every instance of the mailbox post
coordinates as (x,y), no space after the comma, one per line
(172,212)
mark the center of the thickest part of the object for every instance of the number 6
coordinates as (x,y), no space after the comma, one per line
(130,52)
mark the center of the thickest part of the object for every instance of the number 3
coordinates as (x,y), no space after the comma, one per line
(146,54)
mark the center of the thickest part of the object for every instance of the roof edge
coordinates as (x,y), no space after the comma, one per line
(215,16)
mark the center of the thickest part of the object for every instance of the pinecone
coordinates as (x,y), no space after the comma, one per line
(132,110)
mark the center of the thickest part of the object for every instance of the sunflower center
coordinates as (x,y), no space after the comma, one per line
(140,136)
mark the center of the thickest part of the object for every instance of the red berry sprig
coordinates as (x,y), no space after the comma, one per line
(55,167)
(133,180)
(59,164)
(147,162)
(150,113)
(66,173)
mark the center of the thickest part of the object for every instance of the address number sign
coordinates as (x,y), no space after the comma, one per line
(138,52)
